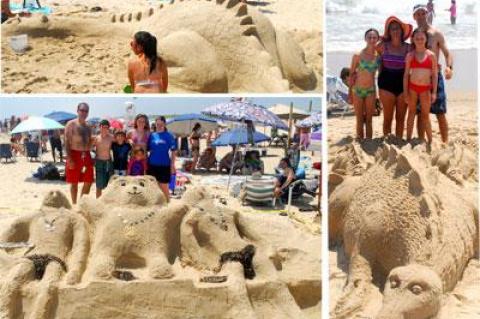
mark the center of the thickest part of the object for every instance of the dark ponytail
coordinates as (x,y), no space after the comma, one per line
(148,42)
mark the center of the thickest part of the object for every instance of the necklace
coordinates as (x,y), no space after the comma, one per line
(132,223)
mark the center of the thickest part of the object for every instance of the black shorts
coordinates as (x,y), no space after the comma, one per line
(391,81)
(161,173)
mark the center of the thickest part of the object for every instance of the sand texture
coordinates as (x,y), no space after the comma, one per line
(403,221)
(209,46)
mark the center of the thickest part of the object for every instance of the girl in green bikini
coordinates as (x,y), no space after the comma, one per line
(362,84)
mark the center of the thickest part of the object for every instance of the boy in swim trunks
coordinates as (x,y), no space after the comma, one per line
(103,162)
(78,142)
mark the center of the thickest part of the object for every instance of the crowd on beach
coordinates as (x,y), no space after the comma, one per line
(95,152)
(410,80)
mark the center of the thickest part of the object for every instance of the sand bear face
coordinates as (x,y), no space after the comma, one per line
(56,199)
(133,190)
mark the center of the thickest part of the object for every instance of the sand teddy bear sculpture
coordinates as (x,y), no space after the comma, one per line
(135,234)
(57,242)
(408,229)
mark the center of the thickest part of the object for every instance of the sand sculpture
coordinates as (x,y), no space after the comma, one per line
(224,45)
(407,226)
(209,46)
(153,259)
(57,242)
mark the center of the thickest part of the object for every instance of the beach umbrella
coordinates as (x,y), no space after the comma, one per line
(239,136)
(182,125)
(94,121)
(61,117)
(116,124)
(283,111)
(241,110)
(36,123)
(313,120)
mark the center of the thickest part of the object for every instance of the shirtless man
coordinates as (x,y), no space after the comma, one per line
(436,44)
(78,142)
(103,161)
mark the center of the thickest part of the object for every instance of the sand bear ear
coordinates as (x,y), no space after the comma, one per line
(151,178)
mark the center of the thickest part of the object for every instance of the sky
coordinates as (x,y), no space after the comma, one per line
(101,106)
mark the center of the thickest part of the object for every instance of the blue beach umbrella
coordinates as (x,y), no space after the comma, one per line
(313,120)
(61,117)
(182,125)
(239,136)
(240,110)
(36,123)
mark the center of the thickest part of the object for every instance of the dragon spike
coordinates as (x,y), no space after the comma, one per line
(121,18)
(113,18)
(250,30)
(246,21)
(150,12)
(242,10)
(138,16)
(232,3)
(220,1)
(415,183)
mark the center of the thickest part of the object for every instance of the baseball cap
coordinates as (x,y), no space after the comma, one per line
(419,7)
(104,122)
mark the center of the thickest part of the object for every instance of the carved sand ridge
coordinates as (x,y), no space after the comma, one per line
(209,46)
(407,224)
(131,254)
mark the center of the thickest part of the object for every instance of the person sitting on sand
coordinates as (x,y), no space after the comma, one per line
(229,159)
(103,161)
(16,148)
(207,160)
(148,72)
(420,81)
(137,166)
(362,90)
(285,178)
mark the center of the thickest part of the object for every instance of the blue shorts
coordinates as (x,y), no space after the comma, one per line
(103,171)
(440,104)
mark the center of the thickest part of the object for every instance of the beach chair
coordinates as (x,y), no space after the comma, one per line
(300,187)
(31,151)
(6,152)
(259,191)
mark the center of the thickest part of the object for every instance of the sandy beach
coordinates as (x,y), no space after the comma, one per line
(462,301)
(79,50)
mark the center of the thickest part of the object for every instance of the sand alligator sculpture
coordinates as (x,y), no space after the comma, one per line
(399,229)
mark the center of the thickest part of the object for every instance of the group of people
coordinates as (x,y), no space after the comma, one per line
(410,79)
(137,152)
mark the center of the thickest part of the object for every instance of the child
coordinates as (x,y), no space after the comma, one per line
(120,150)
(362,90)
(420,82)
(103,161)
(138,164)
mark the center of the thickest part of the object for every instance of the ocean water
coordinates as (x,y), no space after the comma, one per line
(347,20)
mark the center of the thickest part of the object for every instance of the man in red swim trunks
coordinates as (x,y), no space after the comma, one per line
(78,143)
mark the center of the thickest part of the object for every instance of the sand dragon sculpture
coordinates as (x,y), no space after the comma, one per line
(208,45)
(399,230)
(129,253)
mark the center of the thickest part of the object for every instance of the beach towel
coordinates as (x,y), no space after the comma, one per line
(16,7)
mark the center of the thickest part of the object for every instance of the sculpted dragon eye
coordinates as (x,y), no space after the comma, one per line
(416,289)
(394,283)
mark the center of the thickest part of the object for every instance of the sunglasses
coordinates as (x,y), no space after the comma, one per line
(83,110)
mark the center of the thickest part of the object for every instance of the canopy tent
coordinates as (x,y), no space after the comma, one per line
(283,112)
(242,111)
(240,136)
(182,125)
(61,117)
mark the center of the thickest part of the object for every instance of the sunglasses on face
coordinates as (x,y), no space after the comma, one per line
(83,111)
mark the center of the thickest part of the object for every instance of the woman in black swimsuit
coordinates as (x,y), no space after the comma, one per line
(393,49)
(195,143)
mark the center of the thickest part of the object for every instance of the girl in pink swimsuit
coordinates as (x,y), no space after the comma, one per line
(140,133)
